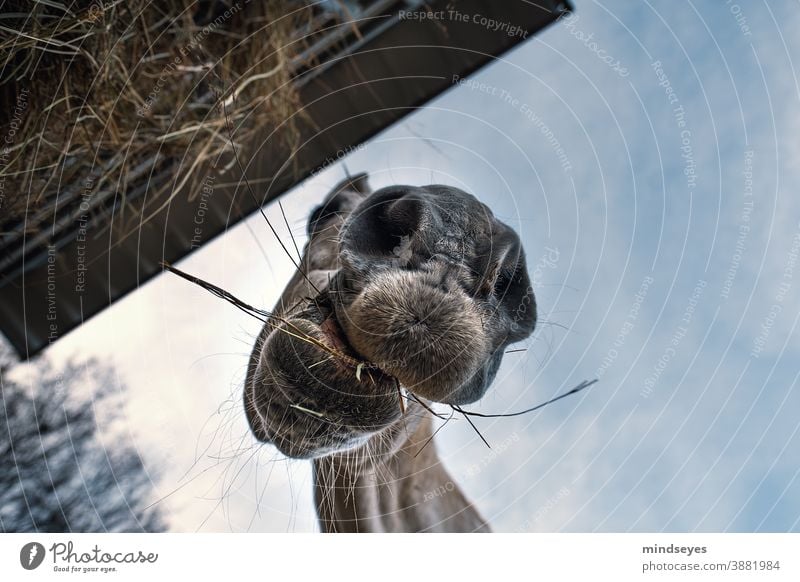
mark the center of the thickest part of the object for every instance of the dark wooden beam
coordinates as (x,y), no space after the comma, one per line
(58,284)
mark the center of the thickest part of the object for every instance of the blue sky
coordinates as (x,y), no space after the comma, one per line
(662,241)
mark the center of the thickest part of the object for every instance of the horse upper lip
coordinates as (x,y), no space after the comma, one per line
(335,334)
(327,311)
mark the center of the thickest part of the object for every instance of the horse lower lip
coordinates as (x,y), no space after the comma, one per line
(331,330)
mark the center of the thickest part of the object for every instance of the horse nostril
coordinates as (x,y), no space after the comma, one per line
(384,225)
(415,324)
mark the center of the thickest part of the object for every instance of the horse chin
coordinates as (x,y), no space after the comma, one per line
(311,396)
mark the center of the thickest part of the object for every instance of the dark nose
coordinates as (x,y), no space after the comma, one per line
(386,219)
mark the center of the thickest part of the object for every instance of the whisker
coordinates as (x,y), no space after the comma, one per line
(289,228)
(253,196)
(472,424)
(266,317)
(553,323)
(430,438)
(414,397)
(259,314)
(582,386)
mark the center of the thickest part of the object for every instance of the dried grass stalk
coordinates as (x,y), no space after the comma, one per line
(99,96)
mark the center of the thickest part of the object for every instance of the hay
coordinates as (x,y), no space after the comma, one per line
(100,97)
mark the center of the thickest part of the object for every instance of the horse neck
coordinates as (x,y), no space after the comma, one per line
(394,483)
